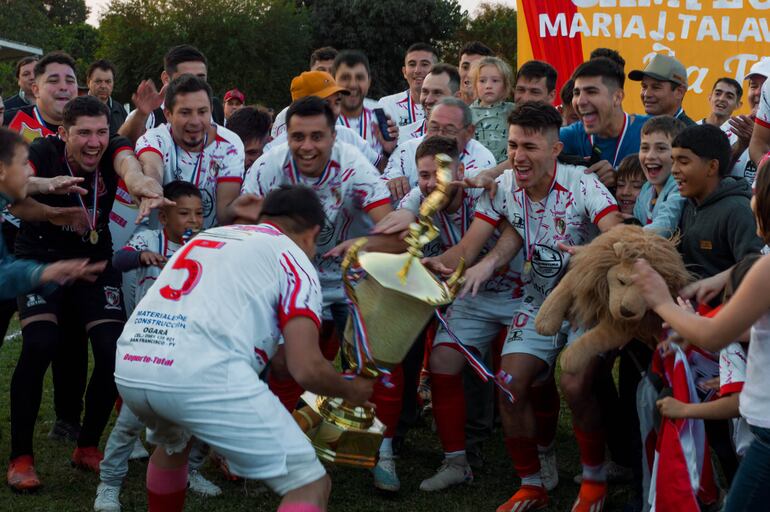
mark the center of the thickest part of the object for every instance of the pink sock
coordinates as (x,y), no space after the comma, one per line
(298,507)
(166,488)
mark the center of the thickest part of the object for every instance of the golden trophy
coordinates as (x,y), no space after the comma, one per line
(393,297)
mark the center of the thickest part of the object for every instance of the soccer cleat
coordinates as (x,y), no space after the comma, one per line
(87,458)
(21,474)
(64,431)
(549,471)
(385,477)
(139,452)
(528,497)
(453,471)
(198,484)
(591,497)
(107,498)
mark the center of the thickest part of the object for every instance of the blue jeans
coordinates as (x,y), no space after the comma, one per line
(114,466)
(750,491)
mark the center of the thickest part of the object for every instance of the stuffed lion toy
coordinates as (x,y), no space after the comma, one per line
(597,293)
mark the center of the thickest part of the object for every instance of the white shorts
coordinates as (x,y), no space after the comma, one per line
(523,338)
(254,432)
(477,321)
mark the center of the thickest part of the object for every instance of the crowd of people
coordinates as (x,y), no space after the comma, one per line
(197,245)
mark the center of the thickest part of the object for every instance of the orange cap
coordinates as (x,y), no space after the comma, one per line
(315,83)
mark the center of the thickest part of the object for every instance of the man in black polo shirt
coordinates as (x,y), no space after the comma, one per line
(180,60)
(100,78)
(25,76)
(84,149)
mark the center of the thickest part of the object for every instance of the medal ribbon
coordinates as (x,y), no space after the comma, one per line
(679,113)
(529,246)
(195,177)
(620,139)
(297,177)
(449,228)
(362,123)
(501,379)
(92,220)
(39,117)
(410,107)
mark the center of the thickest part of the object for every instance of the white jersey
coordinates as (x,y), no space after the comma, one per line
(348,188)
(732,376)
(763,112)
(364,126)
(743,167)
(411,131)
(221,162)
(190,332)
(344,134)
(452,226)
(279,123)
(150,240)
(575,203)
(401,109)
(474,158)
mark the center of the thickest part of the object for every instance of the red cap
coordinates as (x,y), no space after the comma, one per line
(235,94)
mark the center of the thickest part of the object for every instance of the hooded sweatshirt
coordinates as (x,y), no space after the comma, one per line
(720,231)
(16,276)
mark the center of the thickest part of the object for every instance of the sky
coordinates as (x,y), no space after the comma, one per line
(96,6)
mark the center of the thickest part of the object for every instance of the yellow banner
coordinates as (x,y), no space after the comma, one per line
(712,38)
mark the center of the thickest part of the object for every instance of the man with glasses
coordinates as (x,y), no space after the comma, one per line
(450,117)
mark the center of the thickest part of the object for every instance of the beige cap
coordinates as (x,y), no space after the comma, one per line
(662,67)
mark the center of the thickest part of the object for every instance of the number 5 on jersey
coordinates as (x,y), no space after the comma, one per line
(192,266)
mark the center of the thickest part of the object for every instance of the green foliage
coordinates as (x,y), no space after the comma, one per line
(50,25)
(255,45)
(384,30)
(495,26)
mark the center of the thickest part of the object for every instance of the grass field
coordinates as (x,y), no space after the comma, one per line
(66,489)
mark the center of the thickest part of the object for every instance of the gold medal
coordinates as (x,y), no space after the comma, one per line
(527,266)
(93,237)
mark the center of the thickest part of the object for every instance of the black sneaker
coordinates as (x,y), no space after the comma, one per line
(475,458)
(63,430)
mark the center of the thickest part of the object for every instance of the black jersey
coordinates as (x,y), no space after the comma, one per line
(48,242)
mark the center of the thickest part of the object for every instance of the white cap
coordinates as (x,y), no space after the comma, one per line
(761,67)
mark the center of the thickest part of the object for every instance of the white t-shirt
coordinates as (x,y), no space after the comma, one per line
(506,283)
(568,215)
(732,376)
(344,134)
(401,109)
(221,162)
(411,131)
(151,240)
(475,158)
(348,188)
(213,318)
(754,405)
(744,167)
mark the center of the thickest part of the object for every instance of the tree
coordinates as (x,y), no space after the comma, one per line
(493,25)
(383,30)
(50,25)
(255,45)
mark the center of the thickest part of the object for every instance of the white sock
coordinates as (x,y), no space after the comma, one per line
(533,479)
(546,449)
(595,473)
(458,453)
(386,448)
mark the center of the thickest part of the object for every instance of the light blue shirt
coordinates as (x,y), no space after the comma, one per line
(663,217)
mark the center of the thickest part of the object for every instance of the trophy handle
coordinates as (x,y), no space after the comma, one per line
(350,259)
(456,280)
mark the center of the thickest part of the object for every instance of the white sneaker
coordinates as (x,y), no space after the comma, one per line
(198,484)
(549,471)
(139,451)
(107,498)
(385,477)
(453,471)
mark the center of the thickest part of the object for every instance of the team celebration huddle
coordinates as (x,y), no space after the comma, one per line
(269,294)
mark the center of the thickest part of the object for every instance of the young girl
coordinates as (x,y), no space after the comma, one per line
(492,81)
(629,180)
(748,308)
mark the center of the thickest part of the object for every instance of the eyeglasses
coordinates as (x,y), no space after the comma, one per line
(446,131)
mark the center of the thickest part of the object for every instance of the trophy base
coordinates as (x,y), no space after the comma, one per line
(344,445)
